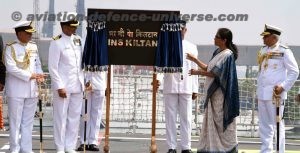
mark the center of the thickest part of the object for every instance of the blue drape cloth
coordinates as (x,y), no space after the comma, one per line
(95,54)
(168,55)
(226,79)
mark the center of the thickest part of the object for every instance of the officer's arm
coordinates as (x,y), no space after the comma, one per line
(195,84)
(53,60)
(39,70)
(38,64)
(292,70)
(11,66)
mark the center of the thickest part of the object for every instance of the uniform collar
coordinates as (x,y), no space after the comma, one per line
(21,43)
(274,46)
(66,36)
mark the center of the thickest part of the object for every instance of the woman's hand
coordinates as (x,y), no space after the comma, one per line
(203,72)
(191,57)
(194,72)
(194,59)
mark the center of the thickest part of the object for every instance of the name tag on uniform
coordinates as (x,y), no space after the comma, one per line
(276,55)
(77,42)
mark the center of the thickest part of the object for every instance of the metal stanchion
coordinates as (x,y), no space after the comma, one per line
(107,94)
(85,117)
(41,117)
(155,85)
(276,98)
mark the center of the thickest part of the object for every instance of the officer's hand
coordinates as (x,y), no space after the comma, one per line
(297,98)
(1,87)
(41,78)
(34,76)
(194,96)
(37,76)
(41,75)
(62,93)
(88,86)
(278,89)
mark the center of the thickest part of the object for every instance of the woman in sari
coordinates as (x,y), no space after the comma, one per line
(218,134)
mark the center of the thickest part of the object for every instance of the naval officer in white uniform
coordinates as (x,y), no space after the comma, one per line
(278,72)
(96,97)
(179,89)
(67,82)
(23,69)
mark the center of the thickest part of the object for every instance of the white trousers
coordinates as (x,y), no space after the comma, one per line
(267,126)
(183,104)
(21,114)
(94,114)
(66,117)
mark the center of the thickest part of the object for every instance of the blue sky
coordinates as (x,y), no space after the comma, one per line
(284,14)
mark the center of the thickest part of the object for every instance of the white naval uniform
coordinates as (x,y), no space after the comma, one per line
(281,71)
(177,90)
(22,94)
(95,102)
(65,55)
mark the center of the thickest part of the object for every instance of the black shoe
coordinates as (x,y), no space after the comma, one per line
(172,151)
(102,125)
(93,147)
(186,151)
(81,147)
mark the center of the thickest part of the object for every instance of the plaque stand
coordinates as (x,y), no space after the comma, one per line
(155,86)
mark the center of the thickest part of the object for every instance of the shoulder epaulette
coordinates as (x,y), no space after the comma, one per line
(76,36)
(283,46)
(32,42)
(56,37)
(10,43)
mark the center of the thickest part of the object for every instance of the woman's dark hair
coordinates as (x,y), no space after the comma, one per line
(225,33)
